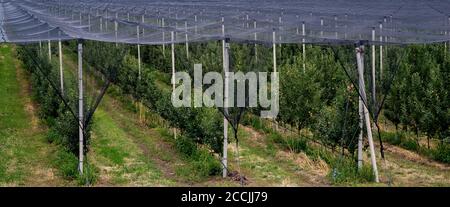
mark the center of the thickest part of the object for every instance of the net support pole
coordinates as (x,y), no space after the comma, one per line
(226,68)
(163,38)
(61,74)
(373,68)
(172,35)
(336,26)
(304,47)
(225,121)
(187,40)
(256,39)
(49,50)
(361,131)
(274,51)
(116,25)
(274,48)
(362,90)
(195,20)
(139,68)
(80,107)
(106,21)
(321,27)
(143,22)
(89,22)
(381,52)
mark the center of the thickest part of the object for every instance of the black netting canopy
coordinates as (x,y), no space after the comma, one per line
(260,21)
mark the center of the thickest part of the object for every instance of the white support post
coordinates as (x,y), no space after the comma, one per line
(361,131)
(248,26)
(139,67)
(280,22)
(274,46)
(274,51)
(362,90)
(226,65)
(61,72)
(321,27)
(80,107)
(106,21)
(116,25)
(373,67)
(143,22)
(335,26)
(49,50)
(89,22)
(381,51)
(304,47)
(139,51)
(163,38)
(101,24)
(225,121)
(256,39)
(195,20)
(187,39)
(173,71)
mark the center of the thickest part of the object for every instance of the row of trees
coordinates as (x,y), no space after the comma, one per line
(201,125)
(58,110)
(419,99)
(324,100)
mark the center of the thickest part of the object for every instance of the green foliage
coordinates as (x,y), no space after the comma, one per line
(67,164)
(442,153)
(63,124)
(296,144)
(201,160)
(419,98)
(299,95)
(201,125)
(345,171)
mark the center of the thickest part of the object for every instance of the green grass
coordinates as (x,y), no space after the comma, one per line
(25,155)
(13,123)
(113,149)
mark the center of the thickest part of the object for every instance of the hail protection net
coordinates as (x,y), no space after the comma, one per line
(260,21)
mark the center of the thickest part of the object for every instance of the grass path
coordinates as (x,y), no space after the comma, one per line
(25,155)
(406,168)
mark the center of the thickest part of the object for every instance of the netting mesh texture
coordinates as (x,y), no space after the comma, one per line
(261,21)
